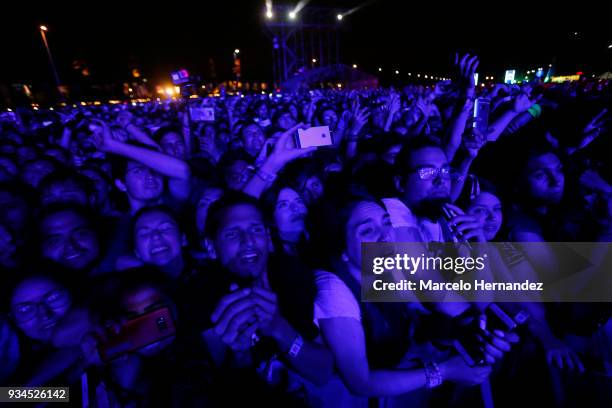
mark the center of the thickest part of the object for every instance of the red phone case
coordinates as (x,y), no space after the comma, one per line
(137,333)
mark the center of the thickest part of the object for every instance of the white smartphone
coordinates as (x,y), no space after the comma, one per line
(203,114)
(314,136)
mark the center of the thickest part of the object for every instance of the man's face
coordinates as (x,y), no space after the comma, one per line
(253,139)
(242,241)
(545,179)
(157,238)
(69,240)
(237,175)
(286,121)
(330,118)
(64,192)
(173,144)
(419,192)
(37,305)
(33,173)
(143,183)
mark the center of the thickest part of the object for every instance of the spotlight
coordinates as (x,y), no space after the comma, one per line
(269,14)
(354,65)
(379,69)
(339,17)
(292,15)
(43,28)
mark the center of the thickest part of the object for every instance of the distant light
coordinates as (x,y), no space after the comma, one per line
(236,51)
(418,75)
(610,46)
(203,86)
(409,74)
(354,65)
(396,72)
(9,110)
(425,76)
(130,89)
(314,60)
(379,69)
(292,15)
(269,14)
(491,78)
(51,109)
(44,28)
(339,85)
(550,65)
(339,17)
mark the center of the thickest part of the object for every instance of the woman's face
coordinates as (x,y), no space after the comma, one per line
(290,212)
(369,222)
(37,305)
(488,209)
(209,196)
(157,238)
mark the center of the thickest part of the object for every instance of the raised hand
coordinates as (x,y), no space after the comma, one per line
(285,149)
(466,67)
(593,128)
(102,137)
(522,102)
(359,118)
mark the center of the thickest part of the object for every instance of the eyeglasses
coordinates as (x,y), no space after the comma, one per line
(431,173)
(26,311)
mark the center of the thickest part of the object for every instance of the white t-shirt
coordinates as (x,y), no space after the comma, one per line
(334,298)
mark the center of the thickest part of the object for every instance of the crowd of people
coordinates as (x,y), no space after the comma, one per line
(252,245)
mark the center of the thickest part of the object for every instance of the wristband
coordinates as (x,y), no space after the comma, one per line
(433,376)
(265,176)
(535,110)
(296,346)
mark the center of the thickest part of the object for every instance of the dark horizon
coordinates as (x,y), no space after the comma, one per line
(112,39)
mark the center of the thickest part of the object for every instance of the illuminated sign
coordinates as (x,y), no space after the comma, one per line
(509,76)
(565,78)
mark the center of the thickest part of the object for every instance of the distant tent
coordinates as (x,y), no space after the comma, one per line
(350,78)
(606,75)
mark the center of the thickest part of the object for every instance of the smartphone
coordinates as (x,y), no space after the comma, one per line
(137,333)
(202,114)
(449,214)
(313,137)
(470,343)
(481,115)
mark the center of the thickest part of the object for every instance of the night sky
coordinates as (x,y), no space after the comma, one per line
(159,38)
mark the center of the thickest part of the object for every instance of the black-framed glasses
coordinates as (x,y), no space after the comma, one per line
(26,311)
(431,172)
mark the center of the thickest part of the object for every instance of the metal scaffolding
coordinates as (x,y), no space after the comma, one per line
(312,35)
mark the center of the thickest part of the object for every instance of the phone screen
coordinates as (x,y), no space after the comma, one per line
(314,137)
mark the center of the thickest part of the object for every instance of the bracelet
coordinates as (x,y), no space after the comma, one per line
(265,176)
(296,346)
(433,376)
